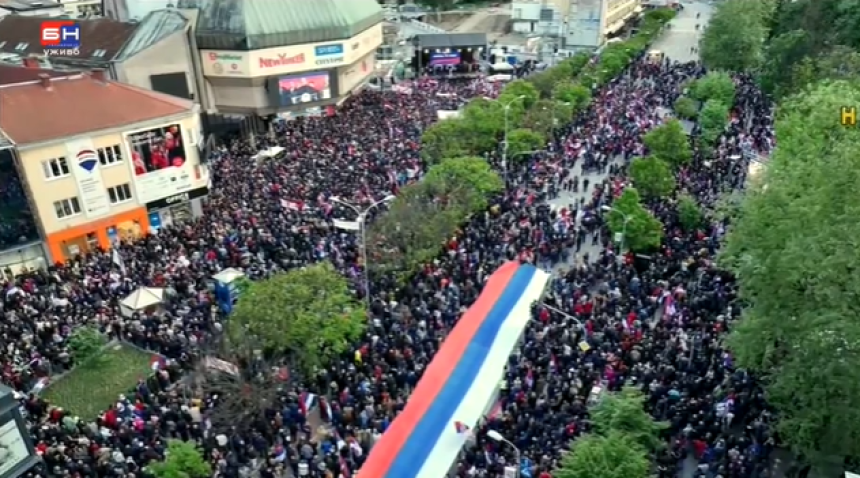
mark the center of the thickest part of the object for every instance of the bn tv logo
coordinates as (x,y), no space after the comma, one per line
(61,38)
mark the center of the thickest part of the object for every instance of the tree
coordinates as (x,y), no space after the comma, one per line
(413,230)
(182,460)
(685,108)
(444,139)
(717,86)
(713,119)
(669,142)
(469,179)
(578,96)
(546,115)
(521,141)
(624,412)
(485,122)
(614,455)
(518,88)
(310,313)
(793,249)
(640,230)
(689,213)
(734,37)
(653,177)
(86,343)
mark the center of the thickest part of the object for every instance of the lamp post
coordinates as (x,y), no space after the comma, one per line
(362,224)
(498,437)
(563,314)
(623,229)
(507,109)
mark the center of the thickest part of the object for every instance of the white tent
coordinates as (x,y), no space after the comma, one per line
(228,275)
(268,153)
(142,298)
(502,67)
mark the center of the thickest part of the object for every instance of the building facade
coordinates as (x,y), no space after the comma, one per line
(96,179)
(577,24)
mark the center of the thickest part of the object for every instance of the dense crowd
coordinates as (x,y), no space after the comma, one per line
(650,321)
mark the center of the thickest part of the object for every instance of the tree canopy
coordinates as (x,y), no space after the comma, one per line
(686,108)
(793,248)
(183,460)
(689,213)
(652,177)
(669,142)
(468,179)
(523,140)
(624,412)
(310,313)
(578,96)
(717,86)
(735,35)
(642,231)
(614,455)
(713,119)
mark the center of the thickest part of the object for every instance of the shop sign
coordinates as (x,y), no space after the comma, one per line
(226,63)
(177,199)
(282,59)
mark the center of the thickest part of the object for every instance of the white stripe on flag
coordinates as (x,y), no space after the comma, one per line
(347,225)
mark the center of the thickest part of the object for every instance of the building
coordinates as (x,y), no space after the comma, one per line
(578,24)
(153,54)
(96,162)
(31,8)
(263,57)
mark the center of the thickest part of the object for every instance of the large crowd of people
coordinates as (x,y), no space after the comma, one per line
(652,321)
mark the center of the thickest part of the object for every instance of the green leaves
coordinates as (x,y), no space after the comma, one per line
(689,214)
(614,455)
(183,460)
(717,86)
(669,142)
(444,139)
(309,313)
(456,176)
(641,231)
(685,108)
(86,343)
(521,141)
(734,37)
(624,412)
(713,119)
(517,88)
(653,177)
(795,253)
(578,96)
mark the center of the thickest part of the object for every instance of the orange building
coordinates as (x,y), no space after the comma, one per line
(102,162)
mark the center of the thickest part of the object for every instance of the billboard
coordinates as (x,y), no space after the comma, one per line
(451,58)
(159,162)
(86,170)
(291,59)
(304,88)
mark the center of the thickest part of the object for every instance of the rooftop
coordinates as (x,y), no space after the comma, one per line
(154,27)
(102,37)
(11,74)
(53,108)
(27,5)
(258,24)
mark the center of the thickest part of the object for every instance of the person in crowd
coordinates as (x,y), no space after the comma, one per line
(653,323)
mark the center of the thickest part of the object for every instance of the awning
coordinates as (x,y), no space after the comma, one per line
(614,28)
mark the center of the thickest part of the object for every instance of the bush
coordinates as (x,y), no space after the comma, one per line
(86,343)
(686,108)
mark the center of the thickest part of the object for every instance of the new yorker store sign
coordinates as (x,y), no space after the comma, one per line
(291,59)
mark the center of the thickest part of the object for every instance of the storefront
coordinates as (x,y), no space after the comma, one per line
(89,237)
(177,208)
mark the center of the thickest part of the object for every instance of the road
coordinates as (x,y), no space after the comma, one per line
(677,40)
(470,25)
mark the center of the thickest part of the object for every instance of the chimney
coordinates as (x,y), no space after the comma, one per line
(31,63)
(99,75)
(46,80)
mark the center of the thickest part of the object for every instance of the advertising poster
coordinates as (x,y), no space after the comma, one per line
(452,58)
(304,88)
(88,177)
(159,161)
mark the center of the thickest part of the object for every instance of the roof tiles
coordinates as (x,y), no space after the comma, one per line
(53,108)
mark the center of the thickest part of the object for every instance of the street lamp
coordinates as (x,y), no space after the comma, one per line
(507,109)
(623,228)
(497,437)
(362,224)
(563,314)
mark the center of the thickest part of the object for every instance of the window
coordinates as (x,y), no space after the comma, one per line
(55,168)
(2,43)
(22,46)
(118,194)
(110,155)
(67,208)
(99,53)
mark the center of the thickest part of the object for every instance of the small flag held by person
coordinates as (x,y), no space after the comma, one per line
(116,259)
(157,362)
(461,427)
